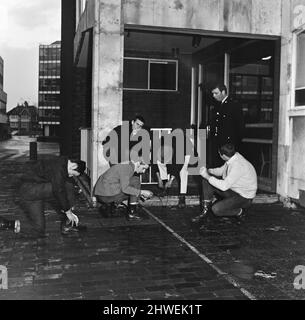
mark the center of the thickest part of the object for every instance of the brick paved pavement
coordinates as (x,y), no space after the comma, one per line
(116,259)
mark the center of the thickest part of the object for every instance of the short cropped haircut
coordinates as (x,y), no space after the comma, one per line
(81,166)
(142,163)
(227,149)
(139,117)
(221,87)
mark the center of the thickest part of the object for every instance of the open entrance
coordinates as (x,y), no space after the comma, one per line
(168,78)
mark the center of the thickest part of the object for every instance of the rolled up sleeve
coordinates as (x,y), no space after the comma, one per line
(226,184)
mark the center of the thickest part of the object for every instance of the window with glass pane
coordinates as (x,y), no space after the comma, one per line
(49,85)
(135,74)
(147,74)
(300,71)
(163,75)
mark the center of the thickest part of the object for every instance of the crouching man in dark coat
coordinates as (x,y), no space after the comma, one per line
(47,179)
(121,182)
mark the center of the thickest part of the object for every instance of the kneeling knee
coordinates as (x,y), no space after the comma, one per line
(215,209)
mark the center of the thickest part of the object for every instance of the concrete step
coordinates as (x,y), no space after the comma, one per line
(194,200)
(170,200)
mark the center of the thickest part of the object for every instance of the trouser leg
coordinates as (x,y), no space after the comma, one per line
(207,190)
(230,205)
(33,196)
(118,198)
(70,191)
(34,210)
(135,183)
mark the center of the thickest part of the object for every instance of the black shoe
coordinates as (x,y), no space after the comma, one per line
(198,218)
(203,215)
(133,213)
(10,225)
(240,216)
(68,228)
(133,217)
(240,213)
(181,203)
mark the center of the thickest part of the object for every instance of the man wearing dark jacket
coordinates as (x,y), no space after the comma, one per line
(46,179)
(122,182)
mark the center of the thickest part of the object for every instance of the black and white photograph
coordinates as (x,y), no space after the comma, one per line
(152,150)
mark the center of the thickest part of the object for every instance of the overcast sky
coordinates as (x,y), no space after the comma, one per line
(24,24)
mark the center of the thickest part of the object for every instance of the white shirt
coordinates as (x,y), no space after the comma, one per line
(238,174)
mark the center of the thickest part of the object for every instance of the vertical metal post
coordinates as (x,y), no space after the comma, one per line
(33,150)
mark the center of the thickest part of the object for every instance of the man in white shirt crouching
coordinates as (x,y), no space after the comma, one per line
(235,183)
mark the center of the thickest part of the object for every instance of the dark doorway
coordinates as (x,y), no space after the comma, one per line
(192,62)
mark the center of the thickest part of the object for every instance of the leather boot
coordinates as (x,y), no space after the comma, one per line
(205,208)
(10,225)
(132,213)
(181,203)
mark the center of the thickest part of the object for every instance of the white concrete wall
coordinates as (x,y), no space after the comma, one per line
(297,171)
(107,77)
(284,139)
(246,16)
(291,146)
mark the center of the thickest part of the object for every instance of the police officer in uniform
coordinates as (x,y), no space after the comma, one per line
(226,124)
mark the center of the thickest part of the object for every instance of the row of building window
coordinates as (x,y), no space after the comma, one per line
(49,69)
(49,53)
(49,85)
(49,112)
(24,125)
(2,106)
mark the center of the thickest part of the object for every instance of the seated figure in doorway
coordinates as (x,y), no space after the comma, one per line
(167,170)
(170,167)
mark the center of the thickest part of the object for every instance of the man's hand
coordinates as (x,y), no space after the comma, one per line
(73,219)
(204,173)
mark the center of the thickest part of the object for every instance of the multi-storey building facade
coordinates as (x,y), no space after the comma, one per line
(160,58)
(49,89)
(3,100)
